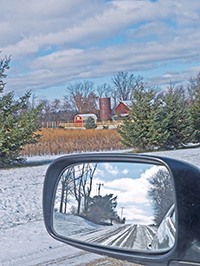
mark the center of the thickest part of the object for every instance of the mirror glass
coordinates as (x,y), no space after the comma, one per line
(126,205)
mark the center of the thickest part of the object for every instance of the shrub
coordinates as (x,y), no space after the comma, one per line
(90,123)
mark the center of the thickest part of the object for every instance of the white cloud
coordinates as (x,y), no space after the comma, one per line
(111,169)
(63,22)
(88,39)
(137,216)
(179,78)
(125,171)
(99,172)
(131,190)
(40,18)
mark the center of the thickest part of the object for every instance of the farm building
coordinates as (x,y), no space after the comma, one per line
(123,107)
(80,119)
(105,109)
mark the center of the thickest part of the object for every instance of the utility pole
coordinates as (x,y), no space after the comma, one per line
(99,188)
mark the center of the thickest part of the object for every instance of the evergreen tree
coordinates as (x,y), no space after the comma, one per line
(102,207)
(90,123)
(143,129)
(194,109)
(17,122)
(176,116)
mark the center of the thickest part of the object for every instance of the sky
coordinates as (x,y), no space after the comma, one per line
(130,183)
(54,43)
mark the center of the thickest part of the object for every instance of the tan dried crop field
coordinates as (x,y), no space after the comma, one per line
(59,141)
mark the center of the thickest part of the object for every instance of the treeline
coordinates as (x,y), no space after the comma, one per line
(83,97)
(166,119)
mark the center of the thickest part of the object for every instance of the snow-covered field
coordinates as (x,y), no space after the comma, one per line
(23,238)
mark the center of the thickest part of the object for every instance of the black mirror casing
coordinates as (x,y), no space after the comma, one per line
(186,183)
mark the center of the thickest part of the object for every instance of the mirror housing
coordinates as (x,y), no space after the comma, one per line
(186,184)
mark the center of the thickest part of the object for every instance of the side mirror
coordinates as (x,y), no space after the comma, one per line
(136,208)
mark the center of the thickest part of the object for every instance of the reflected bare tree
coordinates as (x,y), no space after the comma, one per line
(82,183)
(87,187)
(161,194)
(67,189)
(76,181)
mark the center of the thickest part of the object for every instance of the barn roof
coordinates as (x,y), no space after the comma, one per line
(127,103)
(85,116)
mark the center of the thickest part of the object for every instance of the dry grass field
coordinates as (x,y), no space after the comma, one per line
(59,141)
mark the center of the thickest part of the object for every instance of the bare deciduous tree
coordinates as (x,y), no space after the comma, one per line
(193,87)
(81,97)
(104,90)
(123,86)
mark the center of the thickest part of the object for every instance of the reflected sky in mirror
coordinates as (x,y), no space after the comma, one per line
(131,196)
(130,185)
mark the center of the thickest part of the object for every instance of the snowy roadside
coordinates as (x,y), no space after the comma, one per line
(191,156)
(23,238)
(46,158)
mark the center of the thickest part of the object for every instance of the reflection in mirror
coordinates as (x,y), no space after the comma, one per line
(127,205)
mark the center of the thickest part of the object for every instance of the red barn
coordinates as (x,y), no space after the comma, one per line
(80,119)
(123,107)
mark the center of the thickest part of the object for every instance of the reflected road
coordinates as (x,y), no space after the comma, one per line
(127,236)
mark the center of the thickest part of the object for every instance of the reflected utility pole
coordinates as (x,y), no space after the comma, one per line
(122,208)
(99,188)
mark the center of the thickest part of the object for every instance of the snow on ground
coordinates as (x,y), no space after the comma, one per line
(23,238)
(121,235)
(191,156)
